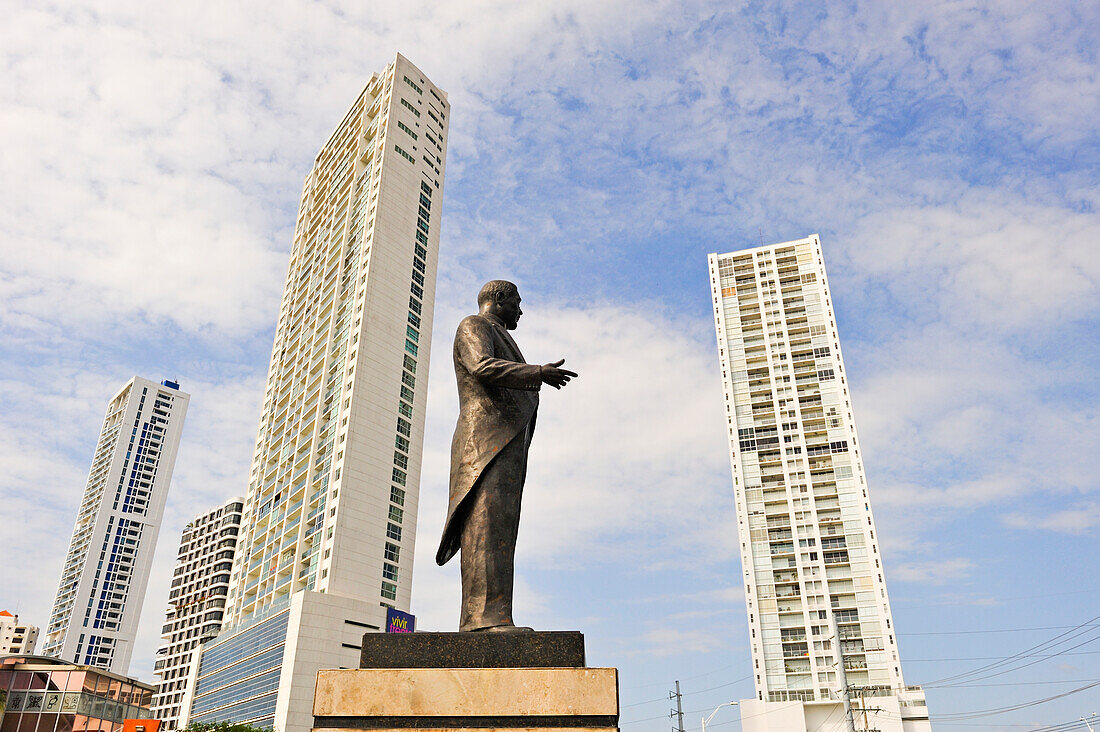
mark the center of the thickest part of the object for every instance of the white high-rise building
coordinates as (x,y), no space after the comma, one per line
(330,514)
(196,602)
(95,616)
(16,637)
(809,549)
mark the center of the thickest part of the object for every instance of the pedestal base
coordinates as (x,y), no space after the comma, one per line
(454,699)
(540,649)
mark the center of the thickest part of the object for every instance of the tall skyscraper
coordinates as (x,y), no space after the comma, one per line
(16,637)
(809,549)
(196,601)
(330,514)
(95,616)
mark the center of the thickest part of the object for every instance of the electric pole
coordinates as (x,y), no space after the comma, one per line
(679,710)
(840,675)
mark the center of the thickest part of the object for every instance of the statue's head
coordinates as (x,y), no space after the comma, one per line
(501,298)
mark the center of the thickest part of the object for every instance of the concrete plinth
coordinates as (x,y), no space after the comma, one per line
(543,649)
(454,699)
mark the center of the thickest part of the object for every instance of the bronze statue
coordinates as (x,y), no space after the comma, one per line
(497,401)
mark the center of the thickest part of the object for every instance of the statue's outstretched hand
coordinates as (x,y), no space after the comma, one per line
(554,375)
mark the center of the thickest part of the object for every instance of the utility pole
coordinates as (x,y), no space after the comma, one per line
(840,675)
(679,710)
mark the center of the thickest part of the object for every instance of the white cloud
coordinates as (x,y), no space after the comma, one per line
(1082,518)
(934,572)
(987,263)
(617,475)
(174,140)
(611,461)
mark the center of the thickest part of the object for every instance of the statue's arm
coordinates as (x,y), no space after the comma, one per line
(474,348)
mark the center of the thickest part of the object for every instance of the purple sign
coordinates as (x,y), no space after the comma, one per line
(399,622)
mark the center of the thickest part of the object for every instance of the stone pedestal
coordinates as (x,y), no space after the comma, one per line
(469,681)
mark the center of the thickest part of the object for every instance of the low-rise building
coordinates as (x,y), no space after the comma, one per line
(16,637)
(42,694)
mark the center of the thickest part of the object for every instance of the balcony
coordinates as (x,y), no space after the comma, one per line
(796,650)
(782,548)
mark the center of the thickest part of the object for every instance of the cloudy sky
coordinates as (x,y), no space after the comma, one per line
(947,153)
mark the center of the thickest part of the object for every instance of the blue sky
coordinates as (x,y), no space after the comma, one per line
(946,152)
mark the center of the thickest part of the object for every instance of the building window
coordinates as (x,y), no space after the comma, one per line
(405,155)
(389,589)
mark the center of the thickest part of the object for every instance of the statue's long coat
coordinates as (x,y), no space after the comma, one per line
(497,398)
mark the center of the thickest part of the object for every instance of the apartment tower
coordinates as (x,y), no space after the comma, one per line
(95,615)
(326,543)
(196,602)
(819,615)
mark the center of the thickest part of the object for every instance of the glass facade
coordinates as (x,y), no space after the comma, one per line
(39,695)
(238,677)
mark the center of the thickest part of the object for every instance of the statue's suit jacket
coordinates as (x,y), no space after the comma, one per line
(497,399)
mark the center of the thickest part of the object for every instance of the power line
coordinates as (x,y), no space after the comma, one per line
(1017,683)
(996,658)
(995,630)
(1022,665)
(1087,625)
(951,717)
(1015,707)
(686,693)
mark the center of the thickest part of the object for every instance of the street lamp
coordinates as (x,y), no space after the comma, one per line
(727,704)
(1086,721)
